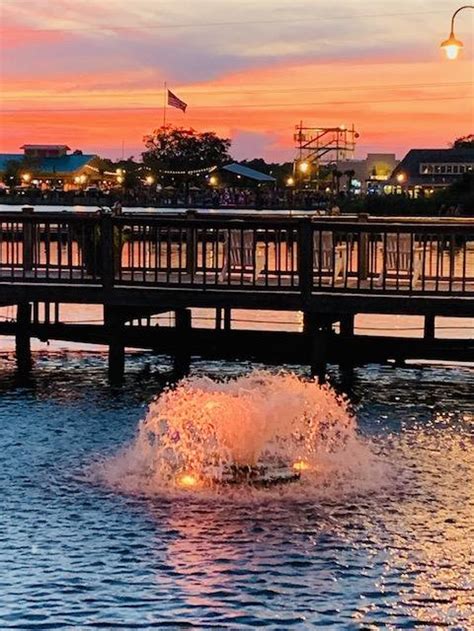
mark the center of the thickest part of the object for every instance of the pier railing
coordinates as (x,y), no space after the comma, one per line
(255,253)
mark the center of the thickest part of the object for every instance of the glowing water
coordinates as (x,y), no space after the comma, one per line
(194,432)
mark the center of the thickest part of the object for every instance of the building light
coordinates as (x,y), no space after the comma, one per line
(213,180)
(26,177)
(149,179)
(290,181)
(304,167)
(401,177)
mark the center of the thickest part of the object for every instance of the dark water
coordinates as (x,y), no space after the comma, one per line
(75,555)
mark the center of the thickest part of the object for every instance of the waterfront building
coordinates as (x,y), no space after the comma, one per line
(422,171)
(52,166)
(370,174)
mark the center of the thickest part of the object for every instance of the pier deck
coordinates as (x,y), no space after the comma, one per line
(331,270)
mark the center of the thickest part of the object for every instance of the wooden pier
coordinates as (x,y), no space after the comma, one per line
(329,269)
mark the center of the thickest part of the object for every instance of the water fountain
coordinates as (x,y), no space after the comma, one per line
(261,429)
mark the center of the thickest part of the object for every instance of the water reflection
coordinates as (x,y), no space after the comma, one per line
(79,555)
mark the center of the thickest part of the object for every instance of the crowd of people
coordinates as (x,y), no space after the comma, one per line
(224,197)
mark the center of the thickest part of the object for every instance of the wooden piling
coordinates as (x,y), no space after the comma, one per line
(227,318)
(347,325)
(429,328)
(346,328)
(218,318)
(22,338)
(317,328)
(116,360)
(182,358)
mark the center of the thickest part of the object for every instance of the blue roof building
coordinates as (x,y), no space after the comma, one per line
(52,162)
(246,172)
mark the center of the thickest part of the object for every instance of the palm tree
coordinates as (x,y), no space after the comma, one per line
(349,174)
(336,178)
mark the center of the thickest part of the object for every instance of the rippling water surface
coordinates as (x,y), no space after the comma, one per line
(396,553)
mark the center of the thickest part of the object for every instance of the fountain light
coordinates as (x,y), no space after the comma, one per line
(301,465)
(187,480)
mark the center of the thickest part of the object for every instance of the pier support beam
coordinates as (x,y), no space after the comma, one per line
(114,323)
(182,358)
(22,338)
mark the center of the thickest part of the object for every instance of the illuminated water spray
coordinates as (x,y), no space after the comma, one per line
(204,433)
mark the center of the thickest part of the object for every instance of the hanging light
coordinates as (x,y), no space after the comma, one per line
(453,46)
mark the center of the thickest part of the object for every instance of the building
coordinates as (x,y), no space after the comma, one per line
(422,171)
(51,166)
(371,174)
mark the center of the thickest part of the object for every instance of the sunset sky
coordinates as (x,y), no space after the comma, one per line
(90,73)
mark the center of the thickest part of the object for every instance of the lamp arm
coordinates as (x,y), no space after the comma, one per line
(466,6)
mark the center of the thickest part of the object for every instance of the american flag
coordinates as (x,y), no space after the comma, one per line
(175,102)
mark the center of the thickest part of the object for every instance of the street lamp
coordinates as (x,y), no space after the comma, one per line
(304,167)
(453,46)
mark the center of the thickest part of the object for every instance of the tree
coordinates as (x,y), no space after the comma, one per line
(12,173)
(15,168)
(178,149)
(280,171)
(464,142)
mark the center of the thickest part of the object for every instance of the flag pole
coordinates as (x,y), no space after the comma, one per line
(165,90)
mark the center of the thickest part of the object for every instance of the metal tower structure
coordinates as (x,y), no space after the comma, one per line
(322,145)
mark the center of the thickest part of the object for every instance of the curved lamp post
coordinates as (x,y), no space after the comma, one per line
(453,46)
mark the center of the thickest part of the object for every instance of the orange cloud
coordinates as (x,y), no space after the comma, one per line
(395,105)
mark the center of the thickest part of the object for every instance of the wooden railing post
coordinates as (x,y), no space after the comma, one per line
(28,239)
(363,249)
(107,250)
(191,240)
(305,257)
